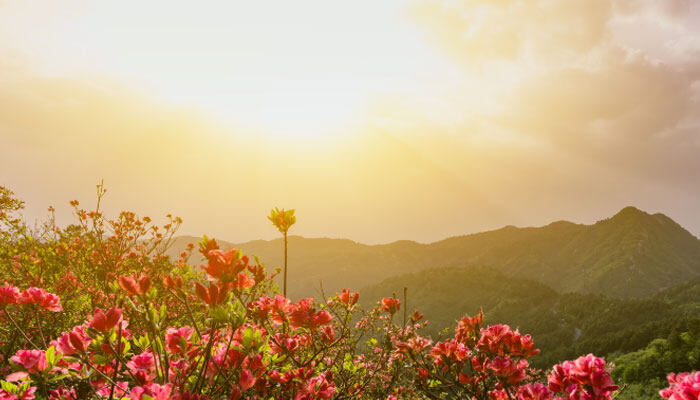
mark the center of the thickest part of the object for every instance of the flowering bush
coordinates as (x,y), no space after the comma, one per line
(684,386)
(96,310)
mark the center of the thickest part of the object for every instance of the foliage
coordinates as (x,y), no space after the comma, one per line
(632,254)
(565,324)
(97,310)
(679,352)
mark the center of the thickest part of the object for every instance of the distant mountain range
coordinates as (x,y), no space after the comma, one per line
(632,254)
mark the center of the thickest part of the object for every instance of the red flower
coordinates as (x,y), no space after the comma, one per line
(246,379)
(144,284)
(243,281)
(171,283)
(468,327)
(581,374)
(42,298)
(32,360)
(212,296)
(321,388)
(128,283)
(321,318)
(416,316)
(235,393)
(225,265)
(502,340)
(304,314)
(75,341)
(62,393)
(684,386)
(177,340)
(153,391)
(105,321)
(132,287)
(348,298)
(534,391)
(8,295)
(328,334)
(391,305)
(143,366)
(510,371)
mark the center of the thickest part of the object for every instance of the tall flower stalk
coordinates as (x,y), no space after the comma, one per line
(283,220)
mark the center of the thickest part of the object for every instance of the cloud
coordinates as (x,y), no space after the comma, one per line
(594,88)
(474,31)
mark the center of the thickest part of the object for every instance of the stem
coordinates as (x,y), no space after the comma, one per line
(41,332)
(189,311)
(108,379)
(19,329)
(116,367)
(207,355)
(405,304)
(285,263)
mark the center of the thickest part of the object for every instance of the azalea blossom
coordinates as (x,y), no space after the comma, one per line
(8,294)
(42,298)
(31,360)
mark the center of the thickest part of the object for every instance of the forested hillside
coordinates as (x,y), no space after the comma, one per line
(632,254)
(562,324)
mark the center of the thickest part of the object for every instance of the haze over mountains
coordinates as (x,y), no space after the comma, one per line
(631,254)
(610,288)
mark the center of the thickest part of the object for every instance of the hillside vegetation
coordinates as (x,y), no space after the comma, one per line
(632,254)
(563,324)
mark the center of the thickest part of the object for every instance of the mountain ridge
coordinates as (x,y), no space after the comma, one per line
(630,254)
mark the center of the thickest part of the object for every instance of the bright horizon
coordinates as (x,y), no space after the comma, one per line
(376,121)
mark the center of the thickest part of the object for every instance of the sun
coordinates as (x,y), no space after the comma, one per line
(302,72)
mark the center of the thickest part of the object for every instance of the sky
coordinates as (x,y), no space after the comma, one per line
(376,120)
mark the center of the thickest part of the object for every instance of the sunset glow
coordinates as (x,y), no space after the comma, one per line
(376,120)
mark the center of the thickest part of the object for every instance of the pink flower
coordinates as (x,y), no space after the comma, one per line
(62,394)
(154,390)
(321,318)
(587,376)
(142,365)
(42,298)
(534,391)
(320,388)
(120,390)
(105,321)
(75,341)
(684,386)
(510,371)
(468,326)
(32,360)
(225,265)
(503,340)
(177,340)
(8,295)
(246,379)
(26,395)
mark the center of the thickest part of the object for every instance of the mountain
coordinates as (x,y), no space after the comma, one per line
(562,325)
(631,254)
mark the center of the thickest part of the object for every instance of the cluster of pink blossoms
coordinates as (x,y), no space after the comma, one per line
(240,343)
(10,294)
(586,378)
(685,386)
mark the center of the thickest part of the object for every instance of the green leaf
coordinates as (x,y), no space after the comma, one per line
(51,356)
(8,387)
(248,337)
